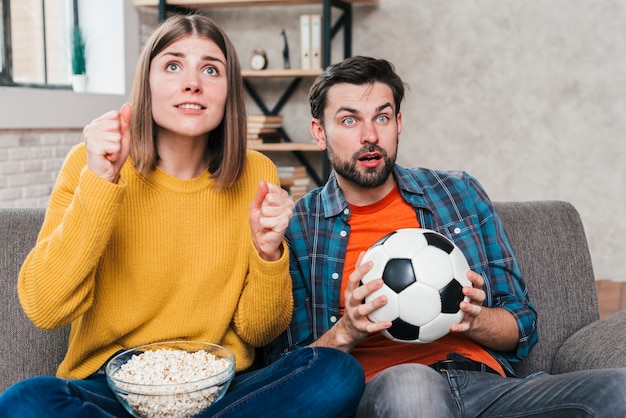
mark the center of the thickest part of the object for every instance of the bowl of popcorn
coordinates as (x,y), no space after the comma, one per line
(176,379)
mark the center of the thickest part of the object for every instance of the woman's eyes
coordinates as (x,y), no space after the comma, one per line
(211,71)
(173,67)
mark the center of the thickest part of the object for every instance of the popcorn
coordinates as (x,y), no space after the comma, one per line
(171,383)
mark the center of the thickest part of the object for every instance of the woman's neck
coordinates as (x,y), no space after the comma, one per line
(182,158)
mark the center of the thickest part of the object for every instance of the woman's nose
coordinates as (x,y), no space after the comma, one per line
(192,83)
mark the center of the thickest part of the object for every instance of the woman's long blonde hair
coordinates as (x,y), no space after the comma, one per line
(226,148)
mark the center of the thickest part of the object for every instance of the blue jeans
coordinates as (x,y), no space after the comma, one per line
(415,390)
(309,382)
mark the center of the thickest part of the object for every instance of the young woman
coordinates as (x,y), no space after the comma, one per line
(162,226)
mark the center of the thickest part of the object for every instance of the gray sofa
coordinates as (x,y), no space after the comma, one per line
(548,239)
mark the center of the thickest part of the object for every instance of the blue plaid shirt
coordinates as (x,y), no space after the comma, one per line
(451,203)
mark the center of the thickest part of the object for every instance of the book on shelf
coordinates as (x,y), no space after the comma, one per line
(305,42)
(291,171)
(254,142)
(305,181)
(295,180)
(260,132)
(311,41)
(296,192)
(264,127)
(316,42)
(273,137)
(265,118)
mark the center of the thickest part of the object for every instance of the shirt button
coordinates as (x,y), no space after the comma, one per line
(457,230)
(333,319)
(346,211)
(343,233)
(335,276)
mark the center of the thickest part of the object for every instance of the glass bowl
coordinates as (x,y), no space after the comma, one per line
(177,379)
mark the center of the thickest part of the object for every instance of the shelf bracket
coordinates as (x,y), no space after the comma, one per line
(300,157)
(329,31)
(284,98)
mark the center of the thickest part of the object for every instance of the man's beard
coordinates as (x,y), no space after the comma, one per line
(369,177)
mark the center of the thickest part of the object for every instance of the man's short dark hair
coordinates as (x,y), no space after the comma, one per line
(357,70)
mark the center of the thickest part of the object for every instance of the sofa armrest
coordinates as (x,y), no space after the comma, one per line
(25,350)
(549,242)
(599,345)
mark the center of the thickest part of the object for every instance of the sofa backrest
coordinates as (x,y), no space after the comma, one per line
(25,350)
(551,247)
(547,237)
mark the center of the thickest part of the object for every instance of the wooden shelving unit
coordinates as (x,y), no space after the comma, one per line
(295,76)
(284,146)
(279,73)
(240,3)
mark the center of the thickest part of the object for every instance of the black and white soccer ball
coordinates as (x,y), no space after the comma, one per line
(424,273)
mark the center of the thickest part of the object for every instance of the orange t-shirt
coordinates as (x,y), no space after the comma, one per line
(377,352)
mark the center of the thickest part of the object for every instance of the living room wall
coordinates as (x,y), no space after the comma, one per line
(529,97)
(526,96)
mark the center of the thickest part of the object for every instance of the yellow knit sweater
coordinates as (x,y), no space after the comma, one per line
(153,259)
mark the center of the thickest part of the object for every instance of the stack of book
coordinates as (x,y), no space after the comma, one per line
(295,180)
(311,41)
(264,128)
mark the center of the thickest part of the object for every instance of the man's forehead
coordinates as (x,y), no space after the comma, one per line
(359,96)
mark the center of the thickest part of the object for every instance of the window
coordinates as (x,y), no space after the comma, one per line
(35,43)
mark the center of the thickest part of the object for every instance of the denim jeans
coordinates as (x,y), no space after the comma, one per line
(412,390)
(309,382)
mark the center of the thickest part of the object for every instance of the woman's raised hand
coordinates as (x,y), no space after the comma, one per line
(108,143)
(270,212)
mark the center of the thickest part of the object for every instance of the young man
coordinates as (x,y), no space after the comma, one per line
(356,117)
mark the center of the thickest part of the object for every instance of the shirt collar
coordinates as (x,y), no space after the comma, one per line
(334,203)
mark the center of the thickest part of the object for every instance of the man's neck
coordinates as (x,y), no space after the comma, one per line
(363,196)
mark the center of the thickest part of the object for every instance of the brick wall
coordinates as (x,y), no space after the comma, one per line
(29,164)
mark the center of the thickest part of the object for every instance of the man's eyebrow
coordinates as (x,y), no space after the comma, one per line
(383,107)
(347,109)
(356,112)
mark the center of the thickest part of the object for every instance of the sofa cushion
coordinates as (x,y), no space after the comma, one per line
(599,345)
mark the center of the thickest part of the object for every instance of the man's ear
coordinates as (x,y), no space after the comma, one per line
(317,132)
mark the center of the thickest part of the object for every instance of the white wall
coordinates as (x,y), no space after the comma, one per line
(103,23)
(528,96)
(112,37)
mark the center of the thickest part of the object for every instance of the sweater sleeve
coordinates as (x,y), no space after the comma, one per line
(56,281)
(266,303)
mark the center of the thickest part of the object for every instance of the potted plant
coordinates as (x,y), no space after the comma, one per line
(79,61)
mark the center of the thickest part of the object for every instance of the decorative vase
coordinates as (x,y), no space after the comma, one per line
(79,83)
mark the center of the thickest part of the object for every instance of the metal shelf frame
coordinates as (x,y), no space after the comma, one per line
(329,31)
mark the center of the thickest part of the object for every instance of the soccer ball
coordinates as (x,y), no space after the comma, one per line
(424,273)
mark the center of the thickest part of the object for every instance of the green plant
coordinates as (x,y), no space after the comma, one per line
(78,51)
